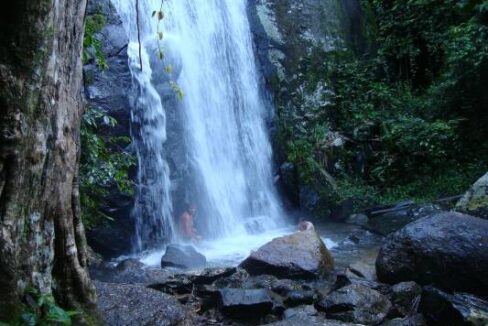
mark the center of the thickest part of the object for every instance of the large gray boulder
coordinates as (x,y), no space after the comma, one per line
(245,304)
(475,200)
(356,304)
(441,308)
(182,256)
(299,255)
(449,250)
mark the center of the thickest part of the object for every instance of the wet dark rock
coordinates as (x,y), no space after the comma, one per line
(405,297)
(182,256)
(259,282)
(296,298)
(309,198)
(130,264)
(236,280)
(93,258)
(304,310)
(426,210)
(209,275)
(302,320)
(387,219)
(175,285)
(124,304)
(245,304)
(356,303)
(415,320)
(299,255)
(184,283)
(364,270)
(345,279)
(113,238)
(357,219)
(441,309)
(284,286)
(448,250)
(109,90)
(209,296)
(288,182)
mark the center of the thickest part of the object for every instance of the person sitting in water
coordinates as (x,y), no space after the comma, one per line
(304,225)
(187,229)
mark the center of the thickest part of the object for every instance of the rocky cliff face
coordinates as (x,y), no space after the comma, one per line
(291,37)
(108,90)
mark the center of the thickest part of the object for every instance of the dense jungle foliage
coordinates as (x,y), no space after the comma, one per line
(104,165)
(405,118)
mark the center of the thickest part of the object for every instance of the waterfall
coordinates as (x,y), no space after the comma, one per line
(223,114)
(152,211)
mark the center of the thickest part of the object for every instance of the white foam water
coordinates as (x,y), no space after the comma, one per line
(224,113)
(230,251)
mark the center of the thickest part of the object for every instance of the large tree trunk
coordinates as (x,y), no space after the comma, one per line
(42,242)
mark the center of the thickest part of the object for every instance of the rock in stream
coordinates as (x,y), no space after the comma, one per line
(299,255)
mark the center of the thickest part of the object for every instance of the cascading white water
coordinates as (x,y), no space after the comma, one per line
(153,206)
(223,114)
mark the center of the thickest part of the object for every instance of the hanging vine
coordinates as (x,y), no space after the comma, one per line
(138,33)
(168,69)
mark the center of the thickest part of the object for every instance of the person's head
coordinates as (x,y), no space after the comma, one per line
(191,208)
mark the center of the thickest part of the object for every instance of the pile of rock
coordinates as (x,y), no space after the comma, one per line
(434,271)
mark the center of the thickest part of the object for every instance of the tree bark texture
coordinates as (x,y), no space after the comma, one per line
(42,241)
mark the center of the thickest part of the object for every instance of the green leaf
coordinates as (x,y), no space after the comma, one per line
(29,319)
(58,315)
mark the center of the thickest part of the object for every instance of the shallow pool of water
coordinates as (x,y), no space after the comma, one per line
(347,243)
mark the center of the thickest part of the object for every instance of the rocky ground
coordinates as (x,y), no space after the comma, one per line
(432,271)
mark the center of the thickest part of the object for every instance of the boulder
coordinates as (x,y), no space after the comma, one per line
(129,264)
(440,308)
(184,283)
(388,219)
(124,304)
(299,255)
(475,200)
(182,256)
(345,279)
(304,320)
(357,304)
(309,198)
(305,310)
(296,298)
(363,269)
(357,219)
(415,320)
(405,297)
(449,250)
(245,304)
(288,182)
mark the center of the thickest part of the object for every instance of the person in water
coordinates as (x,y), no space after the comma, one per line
(304,225)
(187,228)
